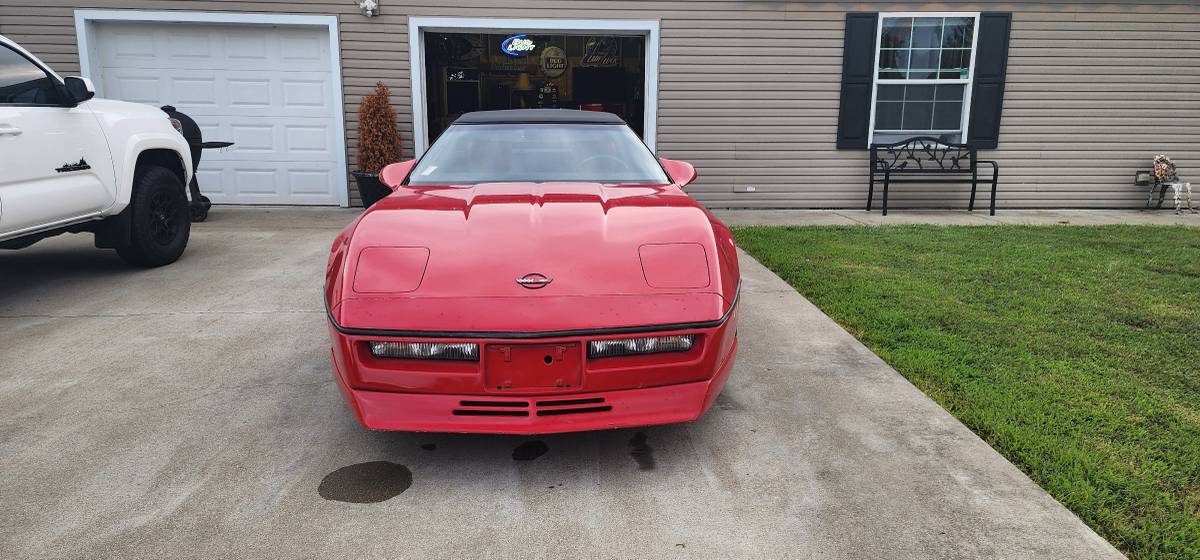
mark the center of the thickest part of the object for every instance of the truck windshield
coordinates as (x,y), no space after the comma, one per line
(467,154)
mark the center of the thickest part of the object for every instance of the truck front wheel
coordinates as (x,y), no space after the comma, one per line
(159,221)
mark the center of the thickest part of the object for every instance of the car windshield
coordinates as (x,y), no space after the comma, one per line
(479,153)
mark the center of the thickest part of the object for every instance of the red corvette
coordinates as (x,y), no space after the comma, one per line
(535,271)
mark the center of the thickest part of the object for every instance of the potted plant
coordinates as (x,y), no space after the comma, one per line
(378,144)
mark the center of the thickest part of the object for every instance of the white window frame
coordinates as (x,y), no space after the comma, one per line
(967,82)
(418,25)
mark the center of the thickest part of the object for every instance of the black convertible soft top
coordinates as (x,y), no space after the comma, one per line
(538,116)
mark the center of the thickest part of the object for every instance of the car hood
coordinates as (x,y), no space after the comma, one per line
(429,258)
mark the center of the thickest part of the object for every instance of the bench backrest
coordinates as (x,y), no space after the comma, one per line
(923,154)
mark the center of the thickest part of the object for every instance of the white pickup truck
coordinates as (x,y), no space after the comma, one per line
(70,163)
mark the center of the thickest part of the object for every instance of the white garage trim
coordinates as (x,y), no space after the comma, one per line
(84,33)
(416,53)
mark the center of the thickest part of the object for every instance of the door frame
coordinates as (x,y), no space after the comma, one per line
(417,26)
(85,34)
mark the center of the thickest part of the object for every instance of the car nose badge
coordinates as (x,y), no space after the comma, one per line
(534,281)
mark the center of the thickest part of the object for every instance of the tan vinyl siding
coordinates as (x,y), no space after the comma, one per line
(748,91)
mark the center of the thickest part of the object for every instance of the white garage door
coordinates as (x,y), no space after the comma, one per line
(267,89)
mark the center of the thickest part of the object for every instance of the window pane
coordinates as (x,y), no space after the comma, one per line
(896,32)
(958,32)
(953,59)
(887,115)
(23,82)
(927,33)
(947,115)
(950,92)
(923,63)
(918,115)
(919,93)
(892,59)
(890,93)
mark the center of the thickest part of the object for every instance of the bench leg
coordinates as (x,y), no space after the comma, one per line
(992,209)
(871,189)
(974,184)
(887,179)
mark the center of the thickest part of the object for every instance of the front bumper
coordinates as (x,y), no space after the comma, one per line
(424,396)
(540,414)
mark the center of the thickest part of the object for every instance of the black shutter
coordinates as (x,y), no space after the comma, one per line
(858,68)
(991,67)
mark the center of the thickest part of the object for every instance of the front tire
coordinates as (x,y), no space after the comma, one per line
(159,221)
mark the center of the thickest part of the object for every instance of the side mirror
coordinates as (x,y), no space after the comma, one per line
(79,89)
(682,173)
(395,174)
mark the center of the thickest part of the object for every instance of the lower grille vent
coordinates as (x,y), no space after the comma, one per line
(468,412)
(561,411)
(553,407)
(571,402)
(498,404)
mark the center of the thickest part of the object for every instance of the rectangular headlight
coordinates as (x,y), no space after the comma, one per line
(465,351)
(637,346)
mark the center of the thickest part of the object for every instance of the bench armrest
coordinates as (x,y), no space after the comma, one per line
(995,166)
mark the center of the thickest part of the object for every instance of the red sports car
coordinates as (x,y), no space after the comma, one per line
(535,271)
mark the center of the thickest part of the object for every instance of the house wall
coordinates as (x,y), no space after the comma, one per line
(748,91)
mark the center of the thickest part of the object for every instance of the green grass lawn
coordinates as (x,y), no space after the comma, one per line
(1073,351)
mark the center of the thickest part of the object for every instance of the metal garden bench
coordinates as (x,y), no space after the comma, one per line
(922,160)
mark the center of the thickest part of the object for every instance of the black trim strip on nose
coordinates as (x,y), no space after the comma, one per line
(561,411)
(568,402)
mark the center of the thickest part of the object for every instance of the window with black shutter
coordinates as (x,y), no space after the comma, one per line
(858,63)
(923,74)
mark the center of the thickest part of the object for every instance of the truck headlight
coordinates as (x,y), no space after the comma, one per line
(462,351)
(637,346)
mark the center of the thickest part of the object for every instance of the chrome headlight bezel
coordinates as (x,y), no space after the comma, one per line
(640,346)
(452,351)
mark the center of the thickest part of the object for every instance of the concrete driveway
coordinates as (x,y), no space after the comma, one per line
(189,411)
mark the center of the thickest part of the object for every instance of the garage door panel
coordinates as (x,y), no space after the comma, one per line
(254,139)
(267,89)
(189,45)
(299,140)
(264,182)
(132,86)
(207,92)
(255,182)
(194,92)
(215,47)
(310,182)
(305,94)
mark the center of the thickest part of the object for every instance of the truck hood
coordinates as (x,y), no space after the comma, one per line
(128,109)
(431,258)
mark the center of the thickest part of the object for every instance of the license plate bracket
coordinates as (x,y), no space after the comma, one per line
(511,367)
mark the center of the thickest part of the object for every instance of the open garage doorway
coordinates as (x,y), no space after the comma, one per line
(487,71)
(464,65)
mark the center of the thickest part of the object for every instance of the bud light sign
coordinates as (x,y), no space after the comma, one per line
(517,45)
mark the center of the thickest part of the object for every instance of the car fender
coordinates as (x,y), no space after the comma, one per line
(133,129)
